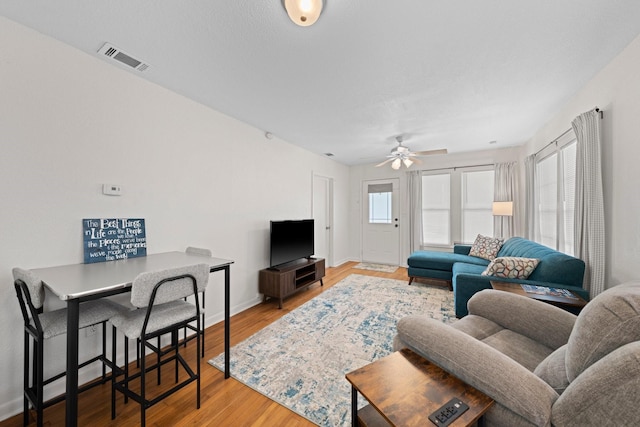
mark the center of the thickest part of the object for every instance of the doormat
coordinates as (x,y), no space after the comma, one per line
(384,268)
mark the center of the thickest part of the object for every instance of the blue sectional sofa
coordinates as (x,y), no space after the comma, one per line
(555,269)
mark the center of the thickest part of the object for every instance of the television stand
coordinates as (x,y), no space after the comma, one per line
(289,279)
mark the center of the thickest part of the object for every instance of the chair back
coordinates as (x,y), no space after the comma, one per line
(30,293)
(198,251)
(33,284)
(159,287)
(610,321)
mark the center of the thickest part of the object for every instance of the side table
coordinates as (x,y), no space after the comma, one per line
(404,389)
(575,302)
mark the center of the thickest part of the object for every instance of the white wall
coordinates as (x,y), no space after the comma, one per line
(362,173)
(616,90)
(70,122)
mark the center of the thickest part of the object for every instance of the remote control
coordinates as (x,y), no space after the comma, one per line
(446,414)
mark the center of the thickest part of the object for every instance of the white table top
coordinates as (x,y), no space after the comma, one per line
(79,280)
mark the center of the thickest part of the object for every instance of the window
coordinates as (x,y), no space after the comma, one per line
(547,174)
(555,193)
(436,208)
(380,199)
(456,206)
(477,203)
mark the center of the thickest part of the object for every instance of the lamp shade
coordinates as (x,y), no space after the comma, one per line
(503,208)
(303,12)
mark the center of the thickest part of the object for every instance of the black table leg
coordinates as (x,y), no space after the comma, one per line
(73,320)
(354,407)
(227,326)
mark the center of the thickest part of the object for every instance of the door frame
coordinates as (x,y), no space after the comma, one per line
(364,206)
(329,204)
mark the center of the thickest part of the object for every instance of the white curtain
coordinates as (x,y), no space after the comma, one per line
(589,225)
(414,203)
(530,197)
(505,187)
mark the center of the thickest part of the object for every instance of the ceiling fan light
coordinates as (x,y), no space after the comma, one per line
(407,162)
(303,12)
(396,164)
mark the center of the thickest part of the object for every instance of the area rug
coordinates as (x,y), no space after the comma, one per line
(300,360)
(376,267)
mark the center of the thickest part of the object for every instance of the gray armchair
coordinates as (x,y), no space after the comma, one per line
(542,365)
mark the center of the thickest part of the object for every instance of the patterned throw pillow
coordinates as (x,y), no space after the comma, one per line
(486,247)
(511,267)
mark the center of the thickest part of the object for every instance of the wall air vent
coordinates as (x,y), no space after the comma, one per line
(117,54)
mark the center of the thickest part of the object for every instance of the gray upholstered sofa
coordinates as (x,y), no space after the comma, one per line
(543,366)
(556,270)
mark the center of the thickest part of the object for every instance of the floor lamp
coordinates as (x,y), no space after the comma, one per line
(501,209)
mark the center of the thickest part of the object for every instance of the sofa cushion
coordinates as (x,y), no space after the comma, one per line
(434,260)
(609,321)
(524,350)
(486,247)
(468,268)
(511,267)
(553,370)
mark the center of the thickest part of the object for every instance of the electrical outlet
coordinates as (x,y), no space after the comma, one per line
(91,330)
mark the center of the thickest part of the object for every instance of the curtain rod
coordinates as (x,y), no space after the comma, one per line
(456,167)
(555,140)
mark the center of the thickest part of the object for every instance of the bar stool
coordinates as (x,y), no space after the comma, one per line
(162,310)
(39,326)
(195,251)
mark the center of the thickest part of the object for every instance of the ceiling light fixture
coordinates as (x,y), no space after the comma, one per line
(303,12)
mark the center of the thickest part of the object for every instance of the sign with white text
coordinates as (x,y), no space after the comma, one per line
(109,239)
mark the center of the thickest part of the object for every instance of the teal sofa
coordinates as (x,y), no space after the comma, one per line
(464,272)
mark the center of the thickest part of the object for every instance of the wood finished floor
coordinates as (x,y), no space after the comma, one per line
(224,402)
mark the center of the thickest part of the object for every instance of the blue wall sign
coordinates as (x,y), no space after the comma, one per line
(109,239)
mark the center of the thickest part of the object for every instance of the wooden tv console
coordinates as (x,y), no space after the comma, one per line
(283,282)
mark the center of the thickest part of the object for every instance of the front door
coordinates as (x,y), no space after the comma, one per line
(380,229)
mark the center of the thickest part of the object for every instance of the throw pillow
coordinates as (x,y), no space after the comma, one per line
(486,247)
(511,267)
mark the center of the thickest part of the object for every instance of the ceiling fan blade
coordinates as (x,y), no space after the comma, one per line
(430,152)
(385,162)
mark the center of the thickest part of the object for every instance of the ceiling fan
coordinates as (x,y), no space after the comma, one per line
(402,154)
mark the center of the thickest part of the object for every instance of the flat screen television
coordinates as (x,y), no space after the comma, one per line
(291,241)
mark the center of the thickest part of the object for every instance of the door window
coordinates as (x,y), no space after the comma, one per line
(380,203)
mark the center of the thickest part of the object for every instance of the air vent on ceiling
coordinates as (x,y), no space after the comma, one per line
(117,54)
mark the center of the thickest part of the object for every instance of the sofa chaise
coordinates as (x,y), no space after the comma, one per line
(464,271)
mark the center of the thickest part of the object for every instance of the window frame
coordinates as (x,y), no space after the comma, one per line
(564,234)
(456,194)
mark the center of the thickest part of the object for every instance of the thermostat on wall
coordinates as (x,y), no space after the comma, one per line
(111,190)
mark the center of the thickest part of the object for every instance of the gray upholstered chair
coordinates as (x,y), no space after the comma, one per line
(542,365)
(161,310)
(39,326)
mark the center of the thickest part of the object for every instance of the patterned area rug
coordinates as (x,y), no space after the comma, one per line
(300,360)
(376,267)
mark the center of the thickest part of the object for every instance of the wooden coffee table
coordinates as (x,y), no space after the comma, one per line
(403,389)
(576,302)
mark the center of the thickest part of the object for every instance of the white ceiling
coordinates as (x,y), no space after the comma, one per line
(452,74)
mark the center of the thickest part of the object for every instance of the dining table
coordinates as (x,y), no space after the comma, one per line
(77,283)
